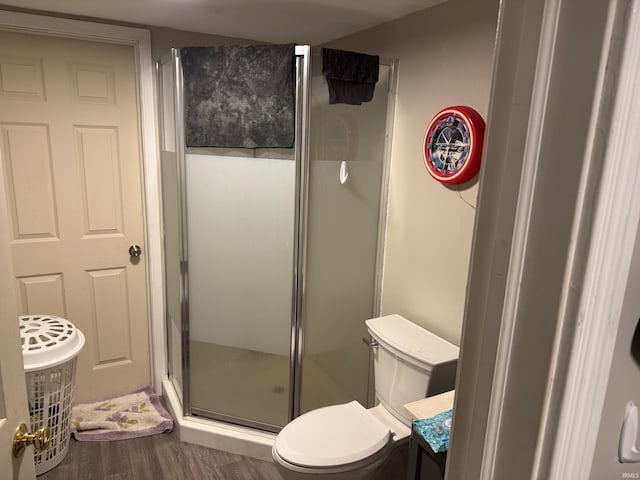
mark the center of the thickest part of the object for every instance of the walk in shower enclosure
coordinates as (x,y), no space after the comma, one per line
(273,256)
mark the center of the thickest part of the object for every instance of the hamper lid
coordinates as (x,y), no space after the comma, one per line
(48,341)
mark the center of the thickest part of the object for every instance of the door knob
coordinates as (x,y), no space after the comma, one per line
(22,439)
(135,251)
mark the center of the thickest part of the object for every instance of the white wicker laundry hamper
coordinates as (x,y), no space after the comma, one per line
(50,346)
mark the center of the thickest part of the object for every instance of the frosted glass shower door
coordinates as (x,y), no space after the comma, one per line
(347,152)
(240,215)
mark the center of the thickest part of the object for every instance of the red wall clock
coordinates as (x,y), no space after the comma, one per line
(453,145)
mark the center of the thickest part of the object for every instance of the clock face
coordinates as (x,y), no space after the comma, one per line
(453,145)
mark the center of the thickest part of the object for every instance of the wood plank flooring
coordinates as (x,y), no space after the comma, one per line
(154,458)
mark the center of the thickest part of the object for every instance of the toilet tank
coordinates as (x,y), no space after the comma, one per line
(409,363)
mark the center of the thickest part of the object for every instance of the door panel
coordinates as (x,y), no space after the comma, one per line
(69,140)
(42,293)
(13,393)
(28,163)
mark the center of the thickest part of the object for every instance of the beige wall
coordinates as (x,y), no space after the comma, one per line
(445,58)
(163,39)
(624,385)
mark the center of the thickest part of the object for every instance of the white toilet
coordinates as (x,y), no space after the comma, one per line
(350,442)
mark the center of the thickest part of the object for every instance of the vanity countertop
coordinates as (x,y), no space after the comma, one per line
(430,406)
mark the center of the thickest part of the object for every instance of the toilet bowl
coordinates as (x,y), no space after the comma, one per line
(350,442)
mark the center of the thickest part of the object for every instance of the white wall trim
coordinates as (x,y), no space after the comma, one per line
(520,235)
(578,251)
(140,40)
(607,269)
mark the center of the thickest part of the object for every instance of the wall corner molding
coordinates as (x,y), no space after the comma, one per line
(607,269)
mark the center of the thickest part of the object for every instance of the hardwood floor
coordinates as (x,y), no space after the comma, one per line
(156,457)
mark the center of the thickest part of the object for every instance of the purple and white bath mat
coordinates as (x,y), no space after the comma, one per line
(133,415)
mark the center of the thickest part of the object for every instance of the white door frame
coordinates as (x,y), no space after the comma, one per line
(510,428)
(140,40)
(608,262)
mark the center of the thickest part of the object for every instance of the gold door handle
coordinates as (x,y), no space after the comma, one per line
(22,439)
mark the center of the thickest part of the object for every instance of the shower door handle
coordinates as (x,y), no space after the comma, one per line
(344,173)
(135,251)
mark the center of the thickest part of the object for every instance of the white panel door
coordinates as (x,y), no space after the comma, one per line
(13,393)
(69,144)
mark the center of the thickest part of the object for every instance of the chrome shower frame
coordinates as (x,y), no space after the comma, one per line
(301,152)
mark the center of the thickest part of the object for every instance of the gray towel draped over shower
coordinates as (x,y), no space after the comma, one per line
(351,77)
(239,96)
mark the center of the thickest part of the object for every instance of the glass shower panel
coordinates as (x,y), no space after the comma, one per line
(347,149)
(170,169)
(240,215)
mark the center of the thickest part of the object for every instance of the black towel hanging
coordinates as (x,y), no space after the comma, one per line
(351,77)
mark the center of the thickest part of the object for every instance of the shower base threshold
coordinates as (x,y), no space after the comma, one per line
(219,435)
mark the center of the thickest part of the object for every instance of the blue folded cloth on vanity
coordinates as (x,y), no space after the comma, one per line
(436,430)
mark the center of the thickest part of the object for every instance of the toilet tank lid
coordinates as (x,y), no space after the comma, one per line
(412,340)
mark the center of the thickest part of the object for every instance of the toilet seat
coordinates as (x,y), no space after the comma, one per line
(340,472)
(332,436)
